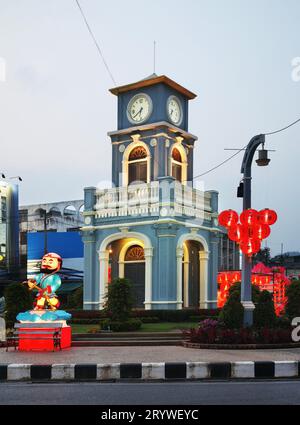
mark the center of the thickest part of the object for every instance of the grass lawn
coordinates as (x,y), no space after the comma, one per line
(146,327)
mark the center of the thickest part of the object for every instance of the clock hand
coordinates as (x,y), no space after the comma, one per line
(138,112)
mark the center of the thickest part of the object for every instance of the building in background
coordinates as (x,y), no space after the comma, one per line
(290,261)
(9,234)
(53,227)
(229,254)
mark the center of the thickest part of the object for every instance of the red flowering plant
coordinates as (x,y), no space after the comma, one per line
(205,333)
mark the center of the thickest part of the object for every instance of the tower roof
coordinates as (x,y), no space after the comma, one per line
(150,81)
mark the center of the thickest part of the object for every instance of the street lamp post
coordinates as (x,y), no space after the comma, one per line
(246,289)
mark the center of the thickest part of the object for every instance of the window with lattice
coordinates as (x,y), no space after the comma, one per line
(137,165)
(135,253)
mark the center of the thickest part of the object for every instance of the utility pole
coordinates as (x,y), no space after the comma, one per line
(246,289)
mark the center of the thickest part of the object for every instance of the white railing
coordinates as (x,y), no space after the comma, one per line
(146,200)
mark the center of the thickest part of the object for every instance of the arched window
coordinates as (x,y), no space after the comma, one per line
(176,165)
(137,165)
(135,253)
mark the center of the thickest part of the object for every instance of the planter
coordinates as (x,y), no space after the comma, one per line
(240,346)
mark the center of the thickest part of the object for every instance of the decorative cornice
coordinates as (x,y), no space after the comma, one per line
(172,128)
(153,80)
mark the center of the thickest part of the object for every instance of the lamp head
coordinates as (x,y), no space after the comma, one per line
(263,159)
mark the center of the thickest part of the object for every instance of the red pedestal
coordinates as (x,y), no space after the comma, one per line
(32,338)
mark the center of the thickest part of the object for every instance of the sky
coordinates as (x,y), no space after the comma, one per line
(239,56)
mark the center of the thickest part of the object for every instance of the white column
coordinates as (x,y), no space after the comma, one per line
(186,265)
(203,260)
(148,252)
(179,254)
(103,273)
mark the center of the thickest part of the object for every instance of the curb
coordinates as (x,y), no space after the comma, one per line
(150,371)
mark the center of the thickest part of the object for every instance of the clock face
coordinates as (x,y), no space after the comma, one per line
(139,108)
(174,110)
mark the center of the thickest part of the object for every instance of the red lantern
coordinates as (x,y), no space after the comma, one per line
(267,216)
(250,246)
(228,218)
(250,232)
(263,231)
(249,217)
(236,233)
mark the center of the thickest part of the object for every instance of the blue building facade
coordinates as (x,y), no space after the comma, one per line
(153,226)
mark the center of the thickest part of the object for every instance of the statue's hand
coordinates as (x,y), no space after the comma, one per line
(31,283)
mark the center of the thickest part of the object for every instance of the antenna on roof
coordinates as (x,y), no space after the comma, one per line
(154,54)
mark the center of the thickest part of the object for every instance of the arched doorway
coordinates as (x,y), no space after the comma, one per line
(192,286)
(123,260)
(134,270)
(192,271)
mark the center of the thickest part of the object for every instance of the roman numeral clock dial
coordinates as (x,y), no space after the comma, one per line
(139,108)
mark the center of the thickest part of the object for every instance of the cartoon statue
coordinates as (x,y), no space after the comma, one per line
(47,282)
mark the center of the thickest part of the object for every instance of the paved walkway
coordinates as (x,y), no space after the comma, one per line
(144,354)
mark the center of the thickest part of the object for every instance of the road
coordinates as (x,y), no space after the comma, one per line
(175,393)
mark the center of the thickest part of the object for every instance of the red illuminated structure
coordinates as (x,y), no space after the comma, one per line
(254,226)
(44,337)
(270,279)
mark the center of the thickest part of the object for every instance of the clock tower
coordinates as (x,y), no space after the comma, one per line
(153,227)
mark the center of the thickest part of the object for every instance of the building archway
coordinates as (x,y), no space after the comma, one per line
(132,267)
(192,271)
(140,275)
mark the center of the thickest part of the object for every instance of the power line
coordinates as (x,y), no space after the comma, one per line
(219,165)
(95,41)
(232,156)
(284,128)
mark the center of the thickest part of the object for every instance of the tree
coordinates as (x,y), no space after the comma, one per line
(118,306)
(264,313)
(119,300)
(263,256)
(75,300)
(18,299)
(232,312)
(292,308)
(237,288)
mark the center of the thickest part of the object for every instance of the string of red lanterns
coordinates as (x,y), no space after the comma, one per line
(254,226)
(270,279)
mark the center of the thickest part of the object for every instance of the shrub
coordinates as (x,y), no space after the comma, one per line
(237,288)
(149,320)
(232,313)
(118,326)
(292,308)
(264,313)
(282,322)
(162,315)
(18,299)
(84,321)
(75,300)
(217,335)
(119,300)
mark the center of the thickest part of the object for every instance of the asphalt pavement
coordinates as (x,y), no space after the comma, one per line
(176,393)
